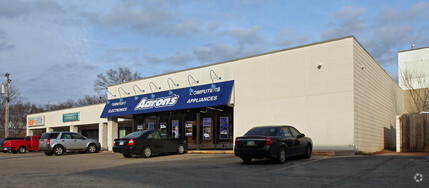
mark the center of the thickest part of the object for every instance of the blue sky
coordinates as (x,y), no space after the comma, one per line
(54,49)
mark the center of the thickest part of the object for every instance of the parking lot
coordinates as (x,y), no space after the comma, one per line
(106,169)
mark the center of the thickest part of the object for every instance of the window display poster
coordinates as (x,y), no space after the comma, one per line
(151,125)
(163,126)
(207,126)
(224,123)
(139,127)
(175,128)
(188,128)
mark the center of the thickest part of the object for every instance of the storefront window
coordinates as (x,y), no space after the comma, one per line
(123,131)
(213,131)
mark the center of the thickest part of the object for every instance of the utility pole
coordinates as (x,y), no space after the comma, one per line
(6,113)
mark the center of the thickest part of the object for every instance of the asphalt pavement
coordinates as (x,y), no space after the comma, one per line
(108,169)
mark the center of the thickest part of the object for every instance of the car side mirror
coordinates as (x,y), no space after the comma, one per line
(301,135)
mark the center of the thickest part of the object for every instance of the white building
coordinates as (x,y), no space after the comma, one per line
(416,62)
(85,120)
(413,77)
(332,91)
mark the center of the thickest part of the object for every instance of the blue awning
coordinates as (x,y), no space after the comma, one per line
(185,98)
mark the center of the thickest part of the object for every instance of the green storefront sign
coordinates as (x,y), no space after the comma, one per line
(71,117)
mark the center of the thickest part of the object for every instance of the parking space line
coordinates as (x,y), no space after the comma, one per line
(301,164)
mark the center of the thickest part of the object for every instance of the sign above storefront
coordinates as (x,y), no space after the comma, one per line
(36,121)
(71,117)
(185,98)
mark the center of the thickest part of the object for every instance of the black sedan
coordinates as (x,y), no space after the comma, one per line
(274,142)
(147,143)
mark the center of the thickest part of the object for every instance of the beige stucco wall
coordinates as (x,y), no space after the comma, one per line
(288,88)
(282,87)
(201,74)
(88,115)
(377,101)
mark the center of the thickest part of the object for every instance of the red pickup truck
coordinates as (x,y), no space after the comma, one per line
(30,143)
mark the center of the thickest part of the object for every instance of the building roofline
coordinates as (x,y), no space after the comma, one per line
(413,49)
(247,57)
(377,62)
(40,113)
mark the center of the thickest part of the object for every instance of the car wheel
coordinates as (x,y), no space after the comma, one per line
(48,153)
(14,151)
(21,149)
(127,155)
(92,148)
(308,151)
(247,160)
(281,158)
(181,149)
(147,152)
(58,150)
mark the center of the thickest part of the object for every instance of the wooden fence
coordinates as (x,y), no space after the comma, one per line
(415,132)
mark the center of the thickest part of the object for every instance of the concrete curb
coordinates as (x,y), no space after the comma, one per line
(401,153)
(324,153)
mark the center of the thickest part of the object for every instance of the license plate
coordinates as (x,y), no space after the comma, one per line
(121,143)
(250,143)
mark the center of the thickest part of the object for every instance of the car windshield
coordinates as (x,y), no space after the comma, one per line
(135,135)
(262,131)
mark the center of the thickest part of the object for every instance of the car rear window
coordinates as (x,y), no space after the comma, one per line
(49,135)
(135,135)
(262,131)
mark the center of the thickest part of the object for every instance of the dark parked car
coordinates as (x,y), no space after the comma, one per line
(2,149)
(147,143)
(274,142)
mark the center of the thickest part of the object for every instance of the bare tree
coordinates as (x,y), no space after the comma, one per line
(113,77)
(88,100)
(61,105)
(18,117)
(14,98)
(417,84)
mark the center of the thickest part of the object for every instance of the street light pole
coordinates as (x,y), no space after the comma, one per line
(6,113)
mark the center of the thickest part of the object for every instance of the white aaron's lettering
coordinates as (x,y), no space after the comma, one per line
(161,102)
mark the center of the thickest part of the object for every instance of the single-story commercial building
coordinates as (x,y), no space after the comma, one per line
(85,120)
(333,91)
